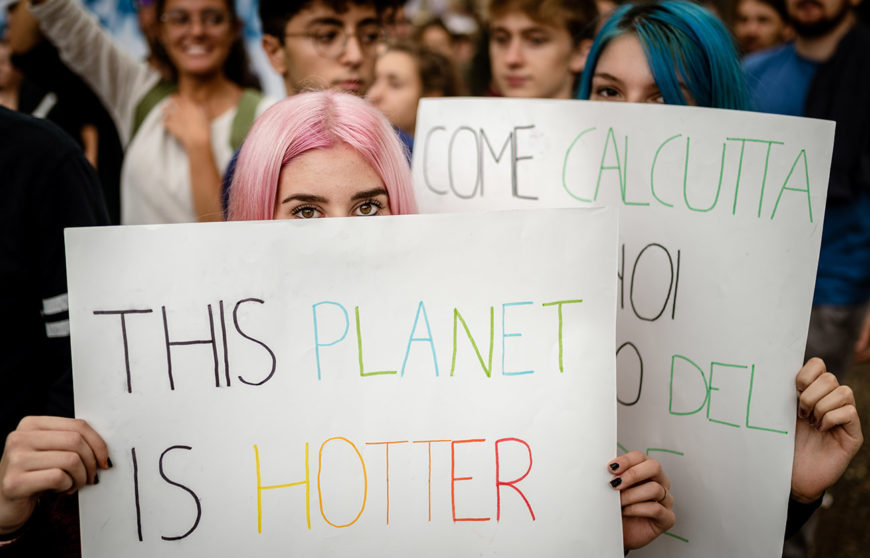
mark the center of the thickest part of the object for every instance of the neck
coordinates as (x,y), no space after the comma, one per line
(9,98)
(216,93)
(201,88)
(822,48)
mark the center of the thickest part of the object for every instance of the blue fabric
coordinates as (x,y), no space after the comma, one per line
(408,141)
(228,179)
(778,80)
(844,261)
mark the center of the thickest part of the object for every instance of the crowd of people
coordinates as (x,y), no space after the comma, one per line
(185,135)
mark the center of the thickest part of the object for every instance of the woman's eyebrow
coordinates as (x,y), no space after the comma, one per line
(605,75)
(308,198)
(370,193)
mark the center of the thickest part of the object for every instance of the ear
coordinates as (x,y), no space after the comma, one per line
(275,53)
(578,57)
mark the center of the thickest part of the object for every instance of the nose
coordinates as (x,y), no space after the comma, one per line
(514,55)
(353,53)
(197,27)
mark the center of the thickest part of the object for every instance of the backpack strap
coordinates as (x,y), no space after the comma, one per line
(146,104)
(246,113)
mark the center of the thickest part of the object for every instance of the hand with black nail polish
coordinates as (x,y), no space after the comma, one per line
(647,504)
(827,431)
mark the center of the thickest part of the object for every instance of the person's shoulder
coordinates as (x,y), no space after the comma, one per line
(772,57)
(265,102)
(858,39)
(22,133)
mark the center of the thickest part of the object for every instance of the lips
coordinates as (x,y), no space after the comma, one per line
(516,81)
(350,85)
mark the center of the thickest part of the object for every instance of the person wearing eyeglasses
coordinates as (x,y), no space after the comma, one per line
(316,44)
(178,133)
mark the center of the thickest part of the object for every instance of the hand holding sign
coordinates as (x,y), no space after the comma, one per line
(46,454)
(827,434)
(647,504)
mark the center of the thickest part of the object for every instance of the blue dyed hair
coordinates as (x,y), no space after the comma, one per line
(684,43)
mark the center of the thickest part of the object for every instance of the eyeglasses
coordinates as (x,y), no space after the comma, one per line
(330,41)
(182,19)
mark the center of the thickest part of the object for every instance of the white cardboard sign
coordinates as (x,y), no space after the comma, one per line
(720,223)
(402,386)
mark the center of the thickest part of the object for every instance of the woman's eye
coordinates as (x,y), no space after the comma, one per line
(606,92)
(305,212)
(368,208)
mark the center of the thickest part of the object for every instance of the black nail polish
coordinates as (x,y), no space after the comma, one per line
(109,462)
(615,482)
(614,466)
(96,479)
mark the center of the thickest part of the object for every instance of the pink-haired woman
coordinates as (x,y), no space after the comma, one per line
(321,154)
(330,154)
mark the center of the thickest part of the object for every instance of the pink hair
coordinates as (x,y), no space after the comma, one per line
(309,121)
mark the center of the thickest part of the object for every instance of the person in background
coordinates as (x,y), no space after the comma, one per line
(316,44)
(178,134)
(405,73)
(538,49)
(435,36)
(671,52)
(47,186)
(149,25)
(760,24)
(825,73)
(77,110)
(398,25)
(10,78)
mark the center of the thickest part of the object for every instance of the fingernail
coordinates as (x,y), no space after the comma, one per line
(109,462)
(614,466)
(615,482)
(96,479)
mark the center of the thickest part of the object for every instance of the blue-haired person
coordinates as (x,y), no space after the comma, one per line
(673,52)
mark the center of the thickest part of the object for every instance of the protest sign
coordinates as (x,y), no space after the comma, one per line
(720,223)
(402,386)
